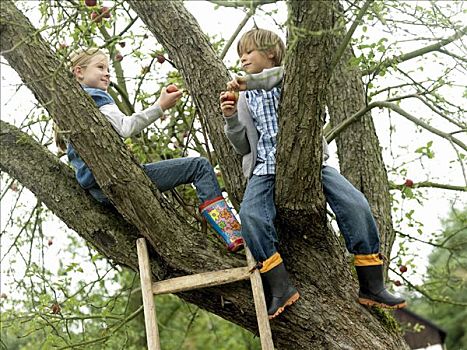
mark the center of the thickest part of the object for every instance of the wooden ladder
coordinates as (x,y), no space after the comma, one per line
(201,280)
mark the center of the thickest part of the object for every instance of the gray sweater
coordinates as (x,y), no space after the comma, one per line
(240,128)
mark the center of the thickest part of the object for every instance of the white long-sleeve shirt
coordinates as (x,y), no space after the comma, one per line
(127,126)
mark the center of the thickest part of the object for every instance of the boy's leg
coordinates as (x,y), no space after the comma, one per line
(358,226)
(257,213)
(168,174)
(353,213)
(98,195)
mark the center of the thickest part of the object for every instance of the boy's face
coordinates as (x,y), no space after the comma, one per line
(95,74)
(255,61)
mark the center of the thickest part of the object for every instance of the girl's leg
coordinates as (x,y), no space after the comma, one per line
(168,174)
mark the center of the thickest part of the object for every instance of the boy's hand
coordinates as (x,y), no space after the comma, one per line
(169,99)
(237,84)
(228,100)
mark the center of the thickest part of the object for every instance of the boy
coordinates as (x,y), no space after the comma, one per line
(251,126)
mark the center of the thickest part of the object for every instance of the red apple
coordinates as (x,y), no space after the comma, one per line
(408,183)
(56,308)
(231,96)
(105,11)
(95,17)
(403,268)
(50,242)
(397,283)
(172,88)
(14,187)
(160,58)
(90,3)
(118,57)
(122,44)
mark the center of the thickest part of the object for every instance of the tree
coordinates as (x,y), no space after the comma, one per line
(316,32)
(445,282)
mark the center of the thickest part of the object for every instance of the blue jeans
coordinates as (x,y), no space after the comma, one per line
(168,174)
(353,214)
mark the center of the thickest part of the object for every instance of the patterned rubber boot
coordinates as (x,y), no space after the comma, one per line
(220,217)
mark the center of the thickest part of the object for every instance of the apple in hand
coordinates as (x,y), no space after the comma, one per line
(172,88)
(231,96)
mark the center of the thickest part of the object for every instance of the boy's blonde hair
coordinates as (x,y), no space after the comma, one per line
(262,40)
(83,57)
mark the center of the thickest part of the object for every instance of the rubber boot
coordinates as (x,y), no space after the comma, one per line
(372,290)
(223,221)
(279,291)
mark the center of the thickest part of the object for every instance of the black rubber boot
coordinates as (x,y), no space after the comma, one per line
(372,289)
(280,293)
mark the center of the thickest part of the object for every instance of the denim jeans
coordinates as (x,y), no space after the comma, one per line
(353,214)
(168,174)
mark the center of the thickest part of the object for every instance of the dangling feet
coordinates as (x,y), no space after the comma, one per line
(371,278)
(280,293)
(220,216)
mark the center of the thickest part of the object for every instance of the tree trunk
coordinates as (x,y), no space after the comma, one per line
(358,147)
(326,317)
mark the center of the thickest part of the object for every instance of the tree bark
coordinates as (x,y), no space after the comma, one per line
(358,147)
(326,317)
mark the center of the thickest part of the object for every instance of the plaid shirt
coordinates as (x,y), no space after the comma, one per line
(263,107)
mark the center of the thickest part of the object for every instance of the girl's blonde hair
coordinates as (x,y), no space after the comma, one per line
(262,40)
(80,58)
(83,57)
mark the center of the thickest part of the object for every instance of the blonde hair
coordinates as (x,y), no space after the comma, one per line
(83,57)
(80,58)
(262,40)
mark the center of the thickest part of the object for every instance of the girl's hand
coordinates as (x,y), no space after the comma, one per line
(228,100)
(168,99)
(237,84)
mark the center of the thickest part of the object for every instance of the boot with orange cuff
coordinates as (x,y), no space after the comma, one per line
(371,279)
(278,289)
(219,215)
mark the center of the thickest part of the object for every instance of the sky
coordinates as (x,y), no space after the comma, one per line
(15,104)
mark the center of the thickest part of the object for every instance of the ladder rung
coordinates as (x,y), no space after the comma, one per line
(200,280)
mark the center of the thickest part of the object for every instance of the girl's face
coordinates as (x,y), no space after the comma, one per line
(254,61)
(95,74)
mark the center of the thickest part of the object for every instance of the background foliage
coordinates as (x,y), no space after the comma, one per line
(59,293)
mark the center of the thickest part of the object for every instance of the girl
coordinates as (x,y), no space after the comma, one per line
(91,69)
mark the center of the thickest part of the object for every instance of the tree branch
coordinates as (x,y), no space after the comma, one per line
(345,41)
(382,104)
(416,53)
